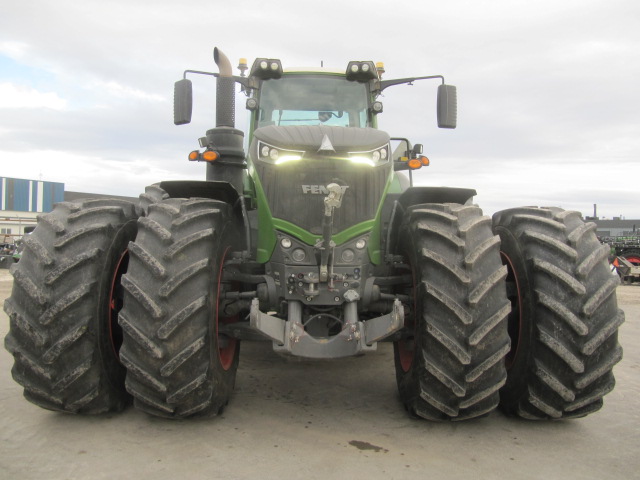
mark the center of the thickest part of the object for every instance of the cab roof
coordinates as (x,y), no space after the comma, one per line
(332,71)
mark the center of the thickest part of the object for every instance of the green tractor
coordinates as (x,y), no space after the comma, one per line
(308,233)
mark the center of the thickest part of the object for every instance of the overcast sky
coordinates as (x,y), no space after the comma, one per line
(548,91)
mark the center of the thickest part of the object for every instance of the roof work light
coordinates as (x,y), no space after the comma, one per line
(361,71)
(266,68)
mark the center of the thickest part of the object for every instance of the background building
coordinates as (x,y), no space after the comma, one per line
(617,228)
(22,200)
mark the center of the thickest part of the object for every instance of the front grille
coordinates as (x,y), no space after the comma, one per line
(285,186)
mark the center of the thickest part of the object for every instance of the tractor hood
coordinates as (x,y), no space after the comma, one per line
(313,138)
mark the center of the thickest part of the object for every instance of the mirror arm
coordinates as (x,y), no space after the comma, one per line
(390,83)
(244,81)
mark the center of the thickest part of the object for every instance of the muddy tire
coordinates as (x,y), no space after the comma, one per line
(452,365)
(177,365)
(565,319)
(63,309)
(152,194)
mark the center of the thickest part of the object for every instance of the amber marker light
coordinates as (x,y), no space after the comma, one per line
(242,66)
(210,156)
(194,156)
(425,161)
(414,164)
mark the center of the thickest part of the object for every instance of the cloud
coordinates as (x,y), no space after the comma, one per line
(126,91)
(12,49)
(17,96)
(547,90)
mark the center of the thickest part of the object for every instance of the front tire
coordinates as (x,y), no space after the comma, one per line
(177,364)
(564,321)
(63,309)
(451,365)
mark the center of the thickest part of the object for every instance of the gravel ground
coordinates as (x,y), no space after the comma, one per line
(293,419)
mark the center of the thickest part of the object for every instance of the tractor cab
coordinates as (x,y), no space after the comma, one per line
(313,98)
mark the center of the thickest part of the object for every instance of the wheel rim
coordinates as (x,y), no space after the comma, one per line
(115,304)
(633,258)
(407,346)
(514,322)
(226,346)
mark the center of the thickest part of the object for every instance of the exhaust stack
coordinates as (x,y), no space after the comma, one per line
(225,138)
(225,91)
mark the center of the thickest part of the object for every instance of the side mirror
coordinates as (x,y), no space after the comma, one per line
(182,102)
(416,150)
(447,106)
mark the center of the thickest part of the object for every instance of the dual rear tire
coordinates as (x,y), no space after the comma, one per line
(77,350)
(545,353)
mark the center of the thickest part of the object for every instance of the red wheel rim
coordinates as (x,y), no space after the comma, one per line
(226,346)
(115,304)
(407,346)
(635,259)
(515,317)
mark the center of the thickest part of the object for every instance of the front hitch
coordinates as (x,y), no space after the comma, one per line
(332,200)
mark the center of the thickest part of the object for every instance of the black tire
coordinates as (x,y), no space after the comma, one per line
(63,309)
(565,318)
(452,367)
(177,366)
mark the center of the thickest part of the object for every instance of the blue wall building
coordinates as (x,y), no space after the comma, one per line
(20,195)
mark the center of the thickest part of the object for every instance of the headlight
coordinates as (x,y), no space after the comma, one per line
(277,156)
(285,242)
(298,255)
(372,157)
(348,255)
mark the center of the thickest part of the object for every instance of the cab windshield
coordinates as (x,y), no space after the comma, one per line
(313,100)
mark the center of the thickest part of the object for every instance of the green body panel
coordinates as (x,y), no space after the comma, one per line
(266,228)
(394,185)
